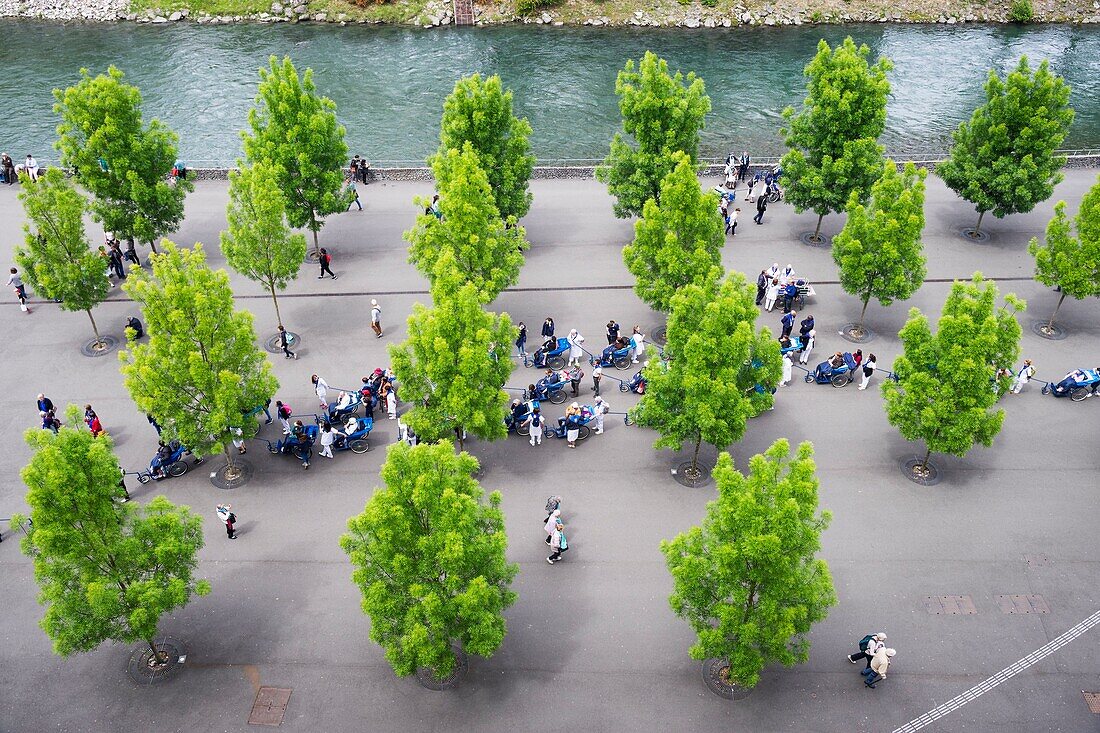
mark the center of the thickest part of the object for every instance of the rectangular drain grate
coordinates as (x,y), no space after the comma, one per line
(1092,699)
(1022,604)
(270,706)
(950,605)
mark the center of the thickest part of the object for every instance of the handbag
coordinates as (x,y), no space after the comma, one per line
(563,544)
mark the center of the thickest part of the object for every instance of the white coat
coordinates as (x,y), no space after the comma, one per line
(328,437)
(786,369)
(575,341)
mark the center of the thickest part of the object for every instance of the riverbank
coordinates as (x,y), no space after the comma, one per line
(657,13)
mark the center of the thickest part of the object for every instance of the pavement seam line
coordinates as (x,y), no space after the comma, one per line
(1005,674)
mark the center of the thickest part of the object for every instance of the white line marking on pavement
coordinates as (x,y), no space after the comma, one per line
(1005,674)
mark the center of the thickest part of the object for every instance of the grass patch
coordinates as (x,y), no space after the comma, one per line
(202,7)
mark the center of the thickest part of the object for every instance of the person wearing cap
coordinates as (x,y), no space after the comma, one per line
(376,318)
(874,643)
(880,662)
(601,408)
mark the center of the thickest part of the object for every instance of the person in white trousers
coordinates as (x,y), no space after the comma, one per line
(1027,371)
(328,437)
(869,367)
(771,295)
(576,352)
(807,347)
(535,422)
(320,387)
(786,370)
(602,408)
(637,343)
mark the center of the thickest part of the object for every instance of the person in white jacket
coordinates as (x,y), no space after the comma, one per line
(787,366)
(869,367)
(771,295)
(1027,371)
(637,344)
(320,387)
(576,353)
(328,437)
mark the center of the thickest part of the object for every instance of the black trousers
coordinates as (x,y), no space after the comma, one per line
(325,268)
(760,292)
(861,655)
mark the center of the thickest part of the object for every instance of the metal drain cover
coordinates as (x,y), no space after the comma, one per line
(270,706)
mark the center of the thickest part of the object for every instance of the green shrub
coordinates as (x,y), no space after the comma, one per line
(527,7)
(1021,11)
(709,3)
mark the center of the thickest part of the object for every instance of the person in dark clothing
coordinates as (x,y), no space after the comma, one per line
(131,253)
(761,207)
(806,326)
(548,328)
(788,322)
(325,260)
(153,421)
(521,340)
(134,323)
(114,259)
(45,404)
(284,343)
(790,294)
(612,331)
(761,286)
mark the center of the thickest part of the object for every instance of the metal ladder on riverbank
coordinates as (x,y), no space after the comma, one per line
(464,12)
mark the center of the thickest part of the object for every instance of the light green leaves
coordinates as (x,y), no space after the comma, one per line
(1068,262)
(662,115)
(747,579)
(429,558)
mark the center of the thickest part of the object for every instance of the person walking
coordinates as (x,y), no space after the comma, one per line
(573,424)
(761,207)
(731,222)
(761,286)
(325,260)
(225,513)
(284,342)
(1027,371)
(576,351)
(353,194)
(869,367)
(282,411)
(808,342)
(772,295)
(558,542)
(597,375)
(548,328)
(612,331)
(868,645)
(391,400)
(751,184)
(637,344)
(16,283)
(320,387)
(328,437)
(376,318)
(521,340)
(880,662)
(787,323)
(238,441)
(601,408)
(787,368)
(92,421)
(535,423)
(553,515)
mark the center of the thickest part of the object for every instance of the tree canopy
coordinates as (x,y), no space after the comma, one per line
(1070,263)
(948,381)
(662,114)
(257,241)
(294,130)
(201,373)
(677,241)
(1003,159)
(470,236)
(833,138)
(429,558)
(748,580)
(107,571)
(479,112)
(57,260)
(879,253)
(124,163)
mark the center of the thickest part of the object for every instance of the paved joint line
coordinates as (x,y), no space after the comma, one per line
(1005,674)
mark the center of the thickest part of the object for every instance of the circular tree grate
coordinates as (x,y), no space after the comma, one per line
(99,347)
(427,678)
(144,669)
(1048,330)
(660,335)
(927,476)
(224,478)
(811,240)
(685,476)
(272,344)
(857,334)
(972,235)
(714,675)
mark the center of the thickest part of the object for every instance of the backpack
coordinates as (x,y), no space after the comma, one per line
(326,258)
(536,421)
(552,503)
(231,519)
(865,641)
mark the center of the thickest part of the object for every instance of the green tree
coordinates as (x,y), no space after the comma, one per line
(949,381)
(107,571)
(662,114)
(748,580)
(57,261)
(833,139)
(1067,262)
(429,558)
(879,252)
(677,241)
(295,131)
(487,251)
(1003,159)
(722,370)
(201,372)
(122,162)
(257,242)
(450,367)
(479,112)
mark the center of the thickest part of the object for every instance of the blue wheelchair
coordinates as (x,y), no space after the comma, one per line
(547,391)
(299,445)
(618,358)
(838,376)
(356,440)
(552,354)
(168,465)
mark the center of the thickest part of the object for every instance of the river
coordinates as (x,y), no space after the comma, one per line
(388,83)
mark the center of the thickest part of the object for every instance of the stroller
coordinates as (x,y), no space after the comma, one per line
(1079,385)
(838,376)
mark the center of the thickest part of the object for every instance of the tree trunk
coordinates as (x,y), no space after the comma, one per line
(1050,325)
(924,463)
(153,246)
(817,230)
(156,654)
(313,228)
(862,313)
(458,435)
(229,457)
(695,455)
(95,329)
(275,300)
(978,228)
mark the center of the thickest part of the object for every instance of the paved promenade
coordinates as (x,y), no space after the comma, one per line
(591,644)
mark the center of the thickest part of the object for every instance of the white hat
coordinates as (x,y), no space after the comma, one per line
(373,301)
(599,398)
(574,405)
(891,652)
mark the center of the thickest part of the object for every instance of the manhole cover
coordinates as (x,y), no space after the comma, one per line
(1022,604)
(950,605)
(427,678)
(856,333)
(713,677)
(970,235)
(685,475)
(269,706)
(1048,330)
(1092,699)
(145,669)
(273,347)
(99,347)
(919,472)
(811,240)
(224,478)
